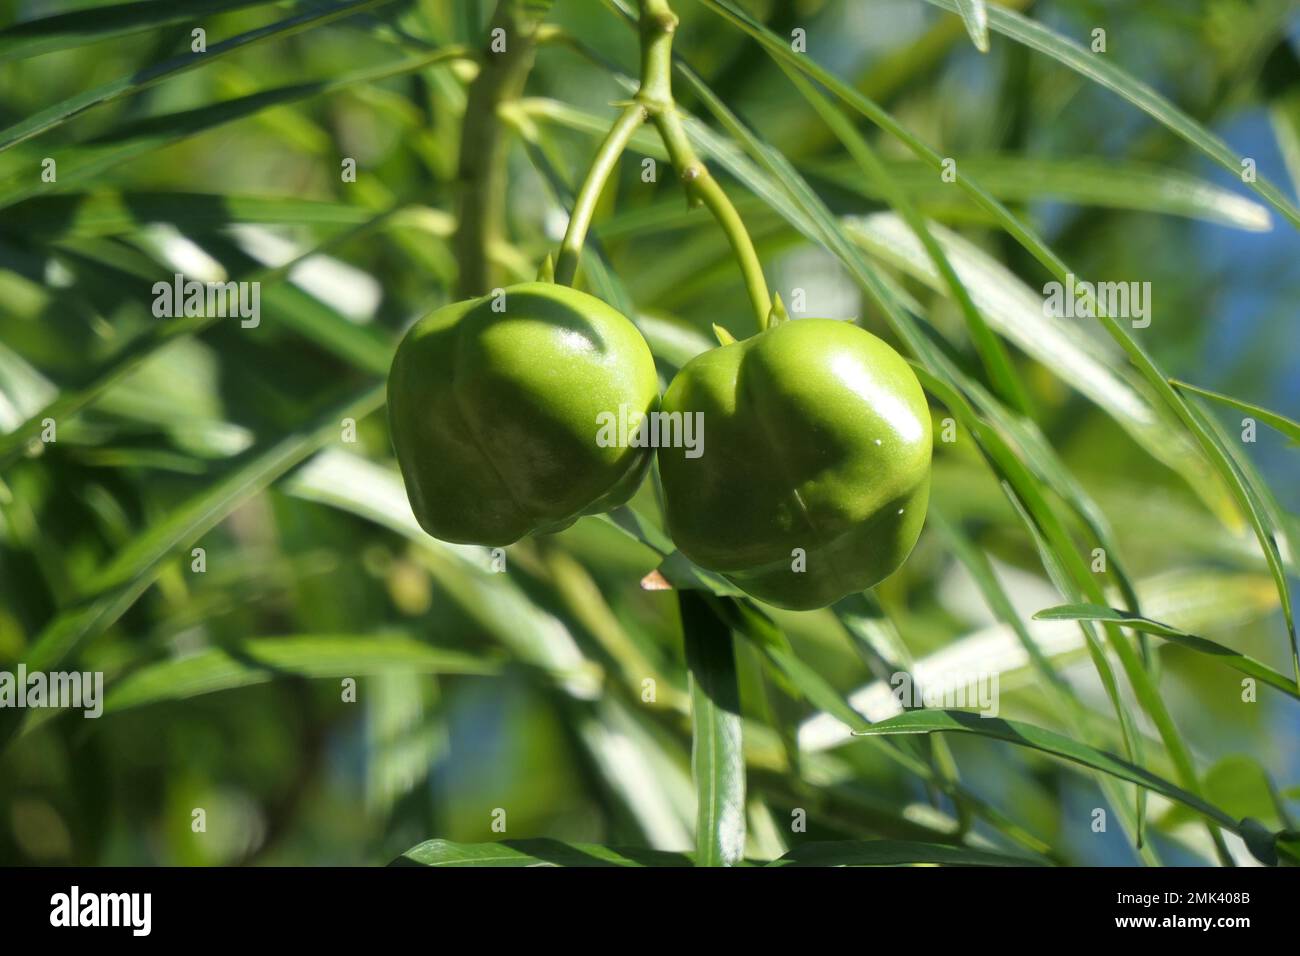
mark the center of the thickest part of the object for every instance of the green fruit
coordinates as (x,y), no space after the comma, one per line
(816,437)
(493,405)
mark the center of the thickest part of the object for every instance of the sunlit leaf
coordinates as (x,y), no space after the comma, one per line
(976,19)
(534,853)
(260,660)
(1025,735)
(1234,659)
(61,112)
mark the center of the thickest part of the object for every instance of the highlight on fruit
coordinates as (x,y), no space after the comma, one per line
(818,472)
(492,404)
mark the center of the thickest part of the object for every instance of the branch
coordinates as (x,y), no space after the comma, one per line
(584,204)
(483,147)
(658,23)
(654,101)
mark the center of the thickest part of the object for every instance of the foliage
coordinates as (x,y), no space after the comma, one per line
(1103,536)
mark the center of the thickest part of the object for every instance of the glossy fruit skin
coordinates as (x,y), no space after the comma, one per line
(494,414)
(816,436)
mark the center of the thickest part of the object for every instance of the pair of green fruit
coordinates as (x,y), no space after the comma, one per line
(811,482)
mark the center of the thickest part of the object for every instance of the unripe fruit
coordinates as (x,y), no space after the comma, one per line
(817,446)
(494,412)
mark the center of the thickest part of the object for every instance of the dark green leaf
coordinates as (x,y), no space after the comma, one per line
(717,756)
(65,110)
(136,565)
(895,853)
(63,31)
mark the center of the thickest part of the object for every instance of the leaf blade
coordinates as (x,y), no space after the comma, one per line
(64,31)
(63,111)
(542,852)
(1288,427)
(717,758)
(1057,745)
(895,853)
(260,660)
(1236,660)
(1101,70)
(976,18)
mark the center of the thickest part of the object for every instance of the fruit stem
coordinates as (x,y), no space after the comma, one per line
(483,146)
(654,102)
(658,23)
(584,205)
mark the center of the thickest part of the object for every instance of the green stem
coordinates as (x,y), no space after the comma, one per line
(715,200)
(584,205)
(483,148)
(658,23)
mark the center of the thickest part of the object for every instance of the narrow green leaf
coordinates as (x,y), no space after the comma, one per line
(501,608)
(1193,600)
(84,162)
(1286,128)
(995,596)
(992,354)
(1287,426)
(717,757)
(683,573)
(1027,735)
(1112,183)
(976,19)
(757,627)
(895,853)
(640,768)
(880,645)
(1016,311)
(364,347)
(353,342)
(1055,546)
(1248,497)
(1234,659)
(1261,510)
(1102,69)
(106,213)
(636,525)
(534,853)
(61,112)
(135,566)
(260,660)
(1241,785)
(63,31)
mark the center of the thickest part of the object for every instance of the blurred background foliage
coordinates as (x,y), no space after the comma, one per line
(523,690)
